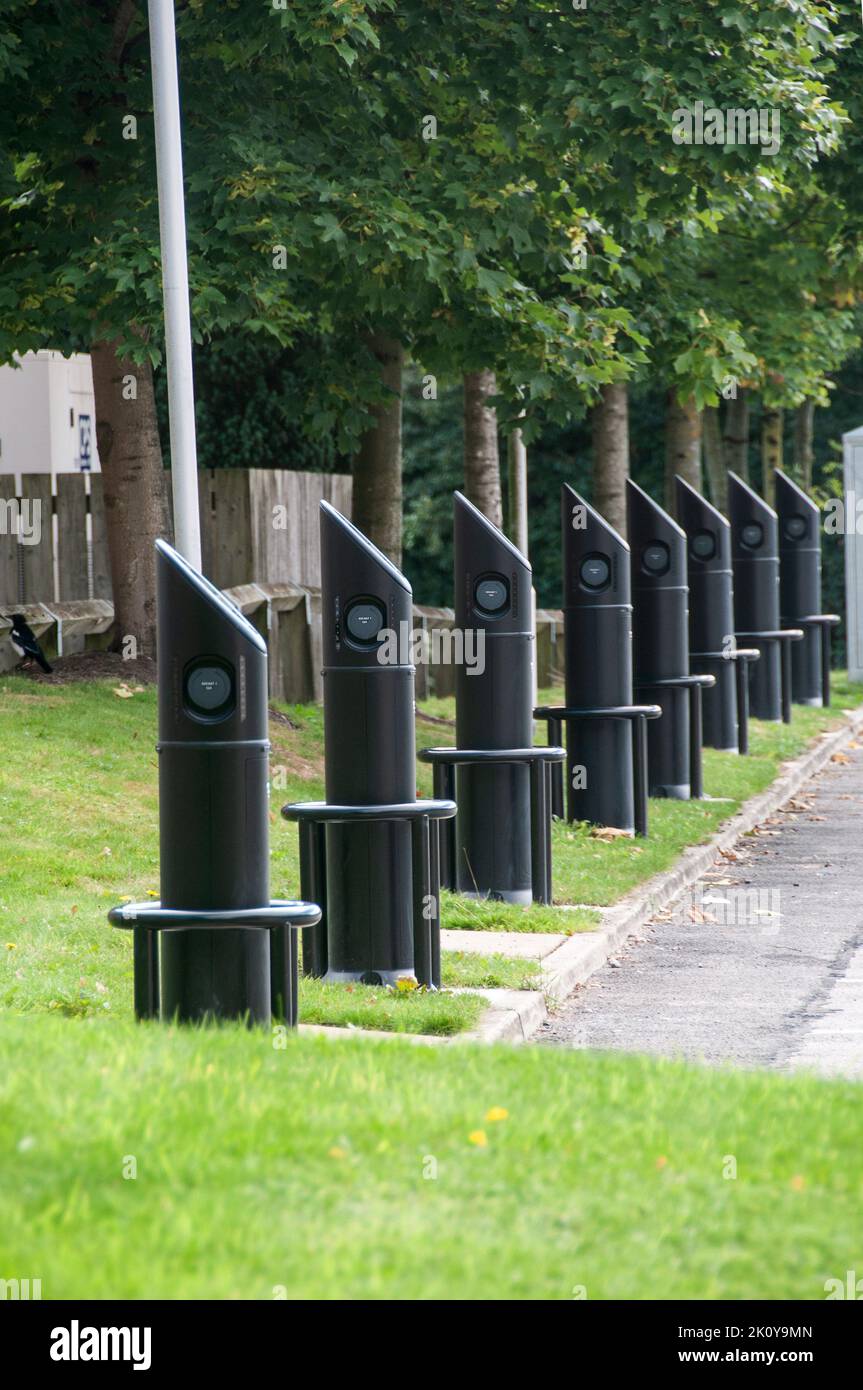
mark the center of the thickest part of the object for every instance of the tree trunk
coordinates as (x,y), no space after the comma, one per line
(714,463)
(133,483)
(610,429)
(481,458)
(803,452)
(771,450)
(682,444)
(377,495)
(735,436)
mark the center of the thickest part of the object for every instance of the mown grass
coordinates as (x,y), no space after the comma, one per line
(431,1012)
(350,1169)
(477,914)
(79,811)
(267,1165)
(465,970)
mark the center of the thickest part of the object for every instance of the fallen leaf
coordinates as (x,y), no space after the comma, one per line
(609,832)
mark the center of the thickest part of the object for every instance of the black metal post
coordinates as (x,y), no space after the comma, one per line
(435,830)
(494,701)
(213,796)
(742,676)
(661,639)
(640,767)
(369,755)
(711,611)
(145,951)
(284,974)
(786,681)
(755,559)
(422,901)
(826,640)
(443,779)
(555,737)
(696,776)
(597,615)
(539,821)
(800,585)
(313,886)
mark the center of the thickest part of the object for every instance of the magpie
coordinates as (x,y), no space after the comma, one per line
(25,644)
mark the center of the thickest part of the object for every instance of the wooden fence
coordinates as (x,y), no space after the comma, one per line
(57,564)
(256,525)
(260,541)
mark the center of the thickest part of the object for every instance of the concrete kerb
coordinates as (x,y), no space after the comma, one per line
(515,1016)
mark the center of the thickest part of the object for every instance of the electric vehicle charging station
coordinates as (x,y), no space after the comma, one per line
(799,521)
(371,850)
(661,647)
(500,843)
(755,561)
(494,709)
(214,946)
(606,737)
(713,647)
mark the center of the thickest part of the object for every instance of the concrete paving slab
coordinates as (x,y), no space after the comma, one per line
(519,945)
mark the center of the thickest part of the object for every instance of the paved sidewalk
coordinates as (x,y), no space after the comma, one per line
(761,963)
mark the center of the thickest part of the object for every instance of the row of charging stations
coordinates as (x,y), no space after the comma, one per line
(669,640)
(373,855)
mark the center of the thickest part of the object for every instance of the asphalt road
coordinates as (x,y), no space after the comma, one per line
(761,963)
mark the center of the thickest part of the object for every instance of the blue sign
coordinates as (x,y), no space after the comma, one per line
(85,443)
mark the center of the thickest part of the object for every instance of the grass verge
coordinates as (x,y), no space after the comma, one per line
(153,1162)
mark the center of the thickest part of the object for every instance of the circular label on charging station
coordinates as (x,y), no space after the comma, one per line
(595,572)
(208,688)
(795,528)
(656,557)
(703,545)
(491,594)
(364,620)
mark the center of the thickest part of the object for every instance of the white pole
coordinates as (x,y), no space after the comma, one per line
(518,491)
(517,458)
(175,280)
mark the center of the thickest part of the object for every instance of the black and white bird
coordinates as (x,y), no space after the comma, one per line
(25,644)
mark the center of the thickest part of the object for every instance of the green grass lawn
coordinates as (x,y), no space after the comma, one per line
(350,1169)
(345,1168)
(79,809)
